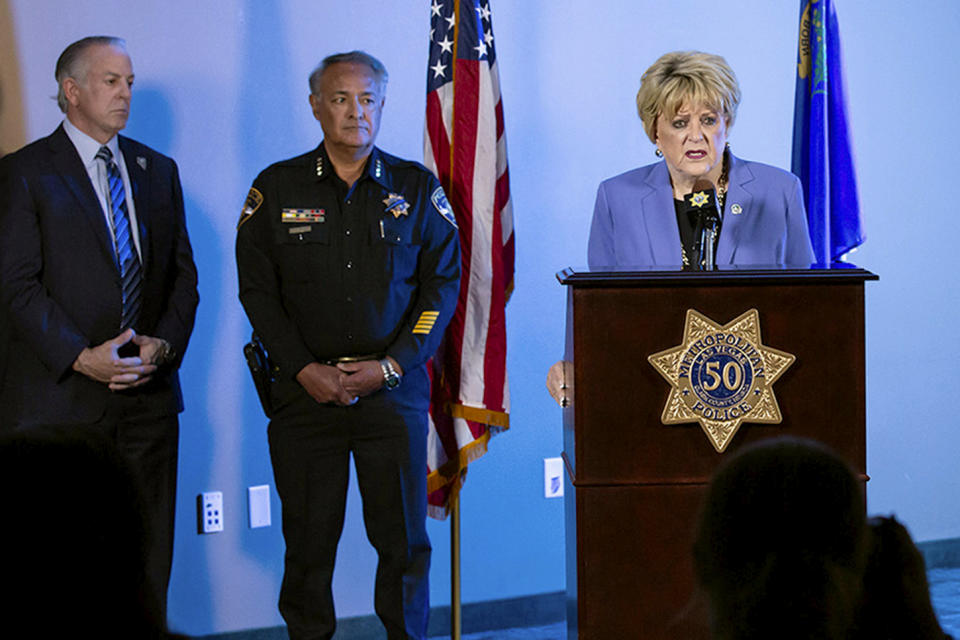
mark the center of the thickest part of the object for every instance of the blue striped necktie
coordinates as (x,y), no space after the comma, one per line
(131,275)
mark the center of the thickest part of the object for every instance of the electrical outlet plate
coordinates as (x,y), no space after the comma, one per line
(210,512)
(258,500)
(553,477)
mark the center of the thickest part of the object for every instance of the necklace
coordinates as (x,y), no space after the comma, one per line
(722,183)
(721,192)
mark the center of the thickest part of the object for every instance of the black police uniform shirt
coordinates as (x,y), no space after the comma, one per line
(328,272)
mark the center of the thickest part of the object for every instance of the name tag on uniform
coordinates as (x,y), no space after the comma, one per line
(296,230)
(293,216)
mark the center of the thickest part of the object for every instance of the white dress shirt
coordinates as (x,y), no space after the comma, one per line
(87,147)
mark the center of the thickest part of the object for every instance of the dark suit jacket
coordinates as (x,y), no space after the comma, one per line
(764,222)
(60,287)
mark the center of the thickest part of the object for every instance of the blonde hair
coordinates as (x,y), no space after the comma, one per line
(690,77)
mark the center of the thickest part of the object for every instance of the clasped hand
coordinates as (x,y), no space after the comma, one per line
(103,362)
(343,384)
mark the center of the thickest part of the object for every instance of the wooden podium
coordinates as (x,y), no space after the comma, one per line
(634,485)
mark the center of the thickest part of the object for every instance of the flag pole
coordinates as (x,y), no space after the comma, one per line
(455,621)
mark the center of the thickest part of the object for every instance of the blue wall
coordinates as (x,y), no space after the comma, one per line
(221,86)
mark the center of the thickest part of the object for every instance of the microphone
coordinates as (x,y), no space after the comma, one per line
(703,202)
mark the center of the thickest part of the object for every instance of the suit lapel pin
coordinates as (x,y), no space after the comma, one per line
(736,209)
(142,162)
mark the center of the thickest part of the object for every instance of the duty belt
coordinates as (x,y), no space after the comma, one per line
(335,361)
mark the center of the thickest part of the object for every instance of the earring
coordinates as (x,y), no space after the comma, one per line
(658,153)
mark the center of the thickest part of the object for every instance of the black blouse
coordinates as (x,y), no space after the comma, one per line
(690,236)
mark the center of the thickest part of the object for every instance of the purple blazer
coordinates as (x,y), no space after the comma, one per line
(635,223)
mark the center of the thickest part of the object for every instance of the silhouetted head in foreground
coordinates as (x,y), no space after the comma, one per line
(781,544)
(72,541)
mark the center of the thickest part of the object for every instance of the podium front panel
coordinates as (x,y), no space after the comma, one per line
(619,397)
(637,483)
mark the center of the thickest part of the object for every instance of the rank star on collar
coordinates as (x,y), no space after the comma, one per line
(396,205)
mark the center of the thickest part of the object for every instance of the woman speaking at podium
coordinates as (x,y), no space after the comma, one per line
(649,216)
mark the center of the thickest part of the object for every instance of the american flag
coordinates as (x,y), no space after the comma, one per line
(464,146)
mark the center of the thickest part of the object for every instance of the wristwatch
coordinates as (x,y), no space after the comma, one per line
(165,354)
(391,379)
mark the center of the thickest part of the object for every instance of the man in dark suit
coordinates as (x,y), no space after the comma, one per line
(98,285)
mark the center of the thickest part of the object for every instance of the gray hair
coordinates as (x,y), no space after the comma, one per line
(72,62)
(359,57)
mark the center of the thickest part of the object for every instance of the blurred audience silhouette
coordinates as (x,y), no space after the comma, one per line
(73,542)
(784,550)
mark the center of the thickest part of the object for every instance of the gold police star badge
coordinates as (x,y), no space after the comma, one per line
(396,205)
(721,376)
(699,199)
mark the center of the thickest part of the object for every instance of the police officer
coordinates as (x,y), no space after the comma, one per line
(349,268)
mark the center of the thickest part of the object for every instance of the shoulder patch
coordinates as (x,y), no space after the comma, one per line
(442,205)
(250,206)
